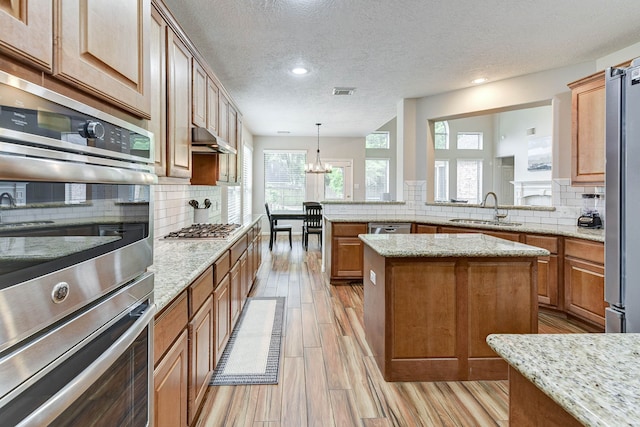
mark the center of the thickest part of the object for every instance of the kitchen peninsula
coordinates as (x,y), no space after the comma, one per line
(430,300)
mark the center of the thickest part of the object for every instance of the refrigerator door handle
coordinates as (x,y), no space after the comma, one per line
(614,81)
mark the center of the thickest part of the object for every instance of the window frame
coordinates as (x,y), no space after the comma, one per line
(388,145)
(300,191)
(388,178)
(480,140)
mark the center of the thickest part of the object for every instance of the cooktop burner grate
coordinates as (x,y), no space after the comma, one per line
(204,231)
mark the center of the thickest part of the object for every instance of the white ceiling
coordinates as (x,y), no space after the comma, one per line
(388,50)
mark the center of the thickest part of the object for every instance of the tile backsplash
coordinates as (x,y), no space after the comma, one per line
(172,210)
(567,201)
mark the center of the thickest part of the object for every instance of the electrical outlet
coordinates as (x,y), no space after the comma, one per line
(372,276)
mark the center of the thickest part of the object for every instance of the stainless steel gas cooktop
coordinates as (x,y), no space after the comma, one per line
(204,231)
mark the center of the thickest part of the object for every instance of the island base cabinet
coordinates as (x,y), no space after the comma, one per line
(170,386)
(529,406)
(427,319)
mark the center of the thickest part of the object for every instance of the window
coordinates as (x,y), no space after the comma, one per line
(442,180)
(376,178)
(247,186)
(284,179)
(441,135)
(377,140)
(469,141)
(469,178)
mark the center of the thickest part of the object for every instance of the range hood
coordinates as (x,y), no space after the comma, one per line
(205,142)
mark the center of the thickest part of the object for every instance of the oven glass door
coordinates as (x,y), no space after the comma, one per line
(48,226)
(105,383)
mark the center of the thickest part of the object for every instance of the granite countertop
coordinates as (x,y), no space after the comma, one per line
(178,262)
(448,245)
(594,377)
(48,247)
(559,230)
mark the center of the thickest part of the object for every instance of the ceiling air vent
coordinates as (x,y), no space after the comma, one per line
(343,90)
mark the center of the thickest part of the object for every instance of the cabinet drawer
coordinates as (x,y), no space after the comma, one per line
(168,326)
(221,268)
(238,248)
(200,290)
(545,242)
(348,229)
(590,251)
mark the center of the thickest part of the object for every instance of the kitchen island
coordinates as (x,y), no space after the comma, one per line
(572,379)
(430,300)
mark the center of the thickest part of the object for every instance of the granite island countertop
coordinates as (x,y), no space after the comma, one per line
(558,230)
(594,377)
(448,245)
(178,262)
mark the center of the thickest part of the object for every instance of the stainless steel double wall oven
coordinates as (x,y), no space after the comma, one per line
(76,302)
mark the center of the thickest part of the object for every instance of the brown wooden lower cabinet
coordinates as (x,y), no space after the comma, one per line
(549,270)
(427,319)
(235,277)
(201,356)
(346,251)
(584,280)
(222,316)
(170,386)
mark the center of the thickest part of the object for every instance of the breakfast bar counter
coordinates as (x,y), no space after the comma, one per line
(430,300)
(572,379)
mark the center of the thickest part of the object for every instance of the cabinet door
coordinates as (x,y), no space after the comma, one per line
(548,281)
(200,356)
(587,130)
(240,146)
(425,229)
(170,386)
(584,290)
(245,267)
(198,95)
(103,48)
(347,254)
(233,127)
(179,108)
(236,291)
(223,116)
(221,312)
(212,106)
(514,237)
(27,31)
(223,167)
(232,164)
(158,92)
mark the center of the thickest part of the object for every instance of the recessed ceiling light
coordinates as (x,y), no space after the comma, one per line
(299,71)
(479,80)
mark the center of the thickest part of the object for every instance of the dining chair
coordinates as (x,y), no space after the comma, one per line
(274,228)
(312,223)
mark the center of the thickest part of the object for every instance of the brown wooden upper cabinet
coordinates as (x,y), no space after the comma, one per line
(587,130)
(178,108)
(27,31)
(102,47)
(158,93)
(204,99)
(223,116)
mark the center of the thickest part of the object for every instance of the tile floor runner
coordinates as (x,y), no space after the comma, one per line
(253,352)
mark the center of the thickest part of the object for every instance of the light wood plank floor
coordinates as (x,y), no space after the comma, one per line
(327,374)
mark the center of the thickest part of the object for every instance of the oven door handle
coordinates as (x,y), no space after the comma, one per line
(55,406)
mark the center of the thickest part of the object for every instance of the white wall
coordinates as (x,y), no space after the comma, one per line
(528,90)
(512,139)
(331,148)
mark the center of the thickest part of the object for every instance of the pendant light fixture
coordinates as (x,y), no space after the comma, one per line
(318,167)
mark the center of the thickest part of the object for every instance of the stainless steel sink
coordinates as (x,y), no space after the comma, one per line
(484,222)
(23,224)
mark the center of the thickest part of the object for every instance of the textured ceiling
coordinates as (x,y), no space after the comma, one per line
(388,50)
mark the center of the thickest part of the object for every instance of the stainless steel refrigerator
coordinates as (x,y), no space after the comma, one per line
(622,201)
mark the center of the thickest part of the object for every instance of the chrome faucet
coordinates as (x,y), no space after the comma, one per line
(496,215)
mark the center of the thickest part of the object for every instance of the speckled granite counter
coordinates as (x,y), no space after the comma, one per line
(593,377)
(559,230)
(178,262)
(447,245)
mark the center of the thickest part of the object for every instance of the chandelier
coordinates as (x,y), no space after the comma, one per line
(318,167)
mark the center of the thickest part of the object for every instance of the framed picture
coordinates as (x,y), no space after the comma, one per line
(539,154)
